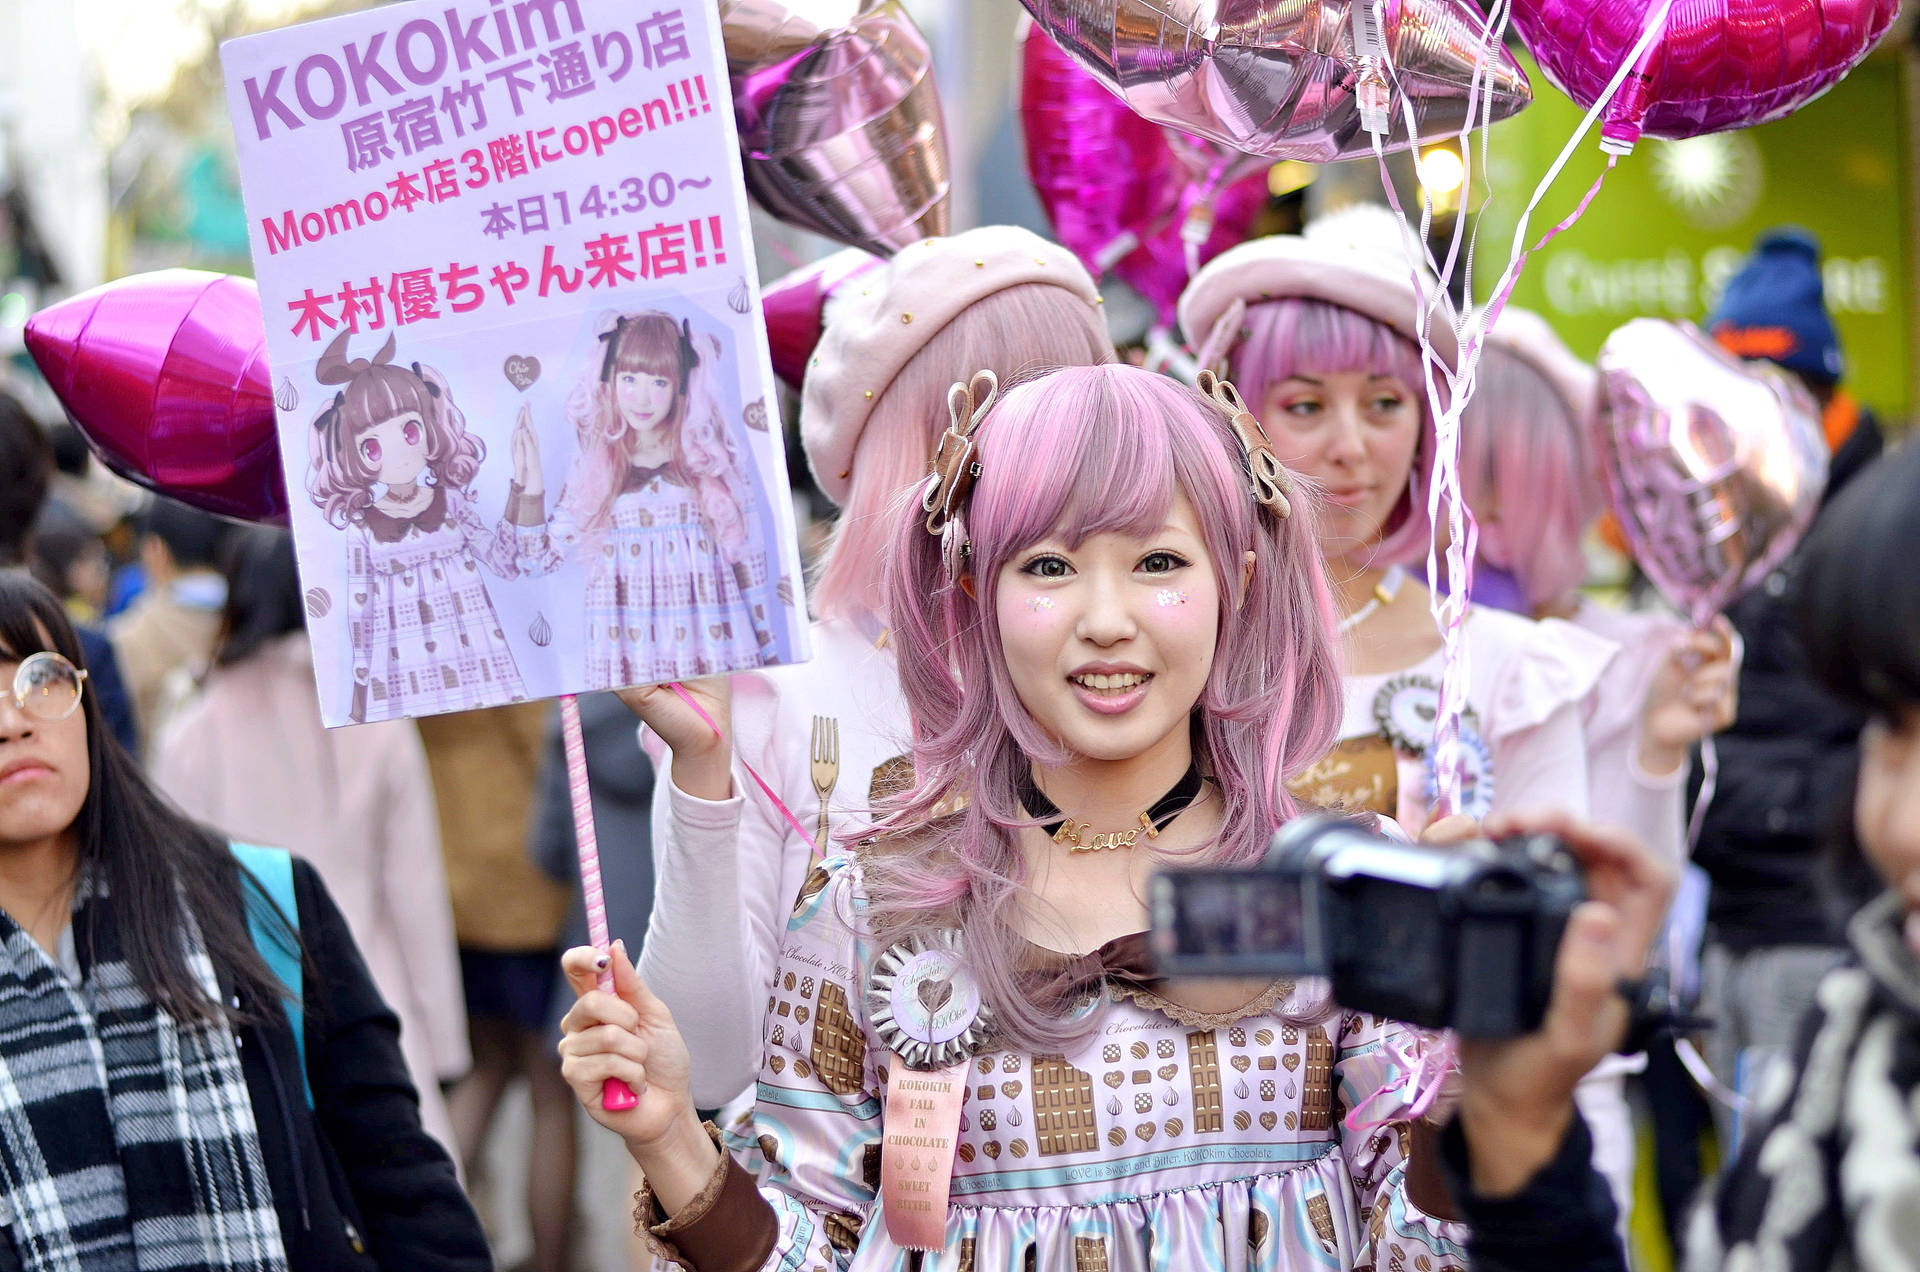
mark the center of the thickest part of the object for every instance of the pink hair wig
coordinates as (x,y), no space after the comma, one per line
(1021,330)
(1523,457)
(339,480)
(1081,452)
(1290,337)
(652,343)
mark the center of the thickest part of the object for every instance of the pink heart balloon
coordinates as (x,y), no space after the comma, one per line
(1127,196)
(166,376)
(1714,467)
(1719,64)
(1279,80)
(795,309)
(1105,176)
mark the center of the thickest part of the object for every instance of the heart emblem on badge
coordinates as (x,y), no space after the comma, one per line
(934,995)
(521,371)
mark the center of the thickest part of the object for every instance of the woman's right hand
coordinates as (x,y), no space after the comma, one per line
(702,752)
(1517,1094)
(627,1034)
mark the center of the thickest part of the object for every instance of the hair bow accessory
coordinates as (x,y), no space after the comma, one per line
(1272,483)
(952,473)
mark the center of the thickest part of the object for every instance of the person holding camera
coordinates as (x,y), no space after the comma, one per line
(1827,1177)
(1115,640)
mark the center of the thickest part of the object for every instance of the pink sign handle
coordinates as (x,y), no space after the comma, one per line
(615,1096)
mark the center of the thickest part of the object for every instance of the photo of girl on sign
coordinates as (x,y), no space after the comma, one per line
(660,505)
(392,464)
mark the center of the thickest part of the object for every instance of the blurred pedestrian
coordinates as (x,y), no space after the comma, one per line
(174,623)
(507,917)
(26,469)
(1784,763)
(163,1110)
(247,754)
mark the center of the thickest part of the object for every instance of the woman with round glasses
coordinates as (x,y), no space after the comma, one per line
(163,1111)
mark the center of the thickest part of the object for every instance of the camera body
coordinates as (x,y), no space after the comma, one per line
(1458,937)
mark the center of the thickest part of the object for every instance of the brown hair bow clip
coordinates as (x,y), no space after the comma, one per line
(1272,483)
(954,468)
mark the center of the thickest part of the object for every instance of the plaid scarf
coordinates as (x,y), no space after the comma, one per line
(127,1139)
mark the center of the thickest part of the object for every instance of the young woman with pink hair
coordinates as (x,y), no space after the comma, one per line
(1100,604)
(832,736)
(1320,332)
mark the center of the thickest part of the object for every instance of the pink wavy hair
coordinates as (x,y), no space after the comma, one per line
(339,481)
(1524,456)
(1025,329)
(651,343)
(1080,452)
(1290,337)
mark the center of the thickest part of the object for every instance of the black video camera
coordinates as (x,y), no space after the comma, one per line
(1459,937)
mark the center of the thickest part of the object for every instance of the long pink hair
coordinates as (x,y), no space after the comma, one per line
(703,449)
(1311,337)
(374,390)
(1080,452)
(1030,328)
(1523,454)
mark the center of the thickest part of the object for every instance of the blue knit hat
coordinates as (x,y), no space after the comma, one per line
(1775,308)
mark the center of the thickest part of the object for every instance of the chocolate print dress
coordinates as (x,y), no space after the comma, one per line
(1169,1141)
(662,602)
(423,631)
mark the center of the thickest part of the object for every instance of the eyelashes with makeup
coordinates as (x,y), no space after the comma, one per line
(1171,561)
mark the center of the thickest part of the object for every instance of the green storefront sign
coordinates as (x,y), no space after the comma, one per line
(1675,218)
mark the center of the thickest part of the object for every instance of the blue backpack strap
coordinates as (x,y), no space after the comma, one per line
(272,869)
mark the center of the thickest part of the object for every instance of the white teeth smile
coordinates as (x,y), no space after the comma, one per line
(1104,682)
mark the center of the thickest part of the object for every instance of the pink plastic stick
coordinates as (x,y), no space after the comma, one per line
(616,1095)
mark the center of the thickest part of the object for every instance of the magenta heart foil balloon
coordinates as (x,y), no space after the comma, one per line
(1714,467)
(1718,64)
(166,376)
(1124,194)
(795,309)
(1278,79)
(1104,175)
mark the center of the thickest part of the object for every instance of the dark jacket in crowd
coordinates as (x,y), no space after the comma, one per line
(358,1184)
(1822,1183)
(1784,766)
(622,786)
(104,682)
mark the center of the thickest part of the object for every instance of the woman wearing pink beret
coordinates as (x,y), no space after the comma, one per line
(832,736)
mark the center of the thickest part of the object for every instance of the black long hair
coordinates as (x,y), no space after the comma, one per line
(1858,615)
(158,866)
(263,593)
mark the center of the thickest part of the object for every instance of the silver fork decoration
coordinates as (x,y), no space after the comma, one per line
(826,769)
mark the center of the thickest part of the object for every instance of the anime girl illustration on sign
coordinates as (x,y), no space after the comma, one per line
(659,505)
(392,463)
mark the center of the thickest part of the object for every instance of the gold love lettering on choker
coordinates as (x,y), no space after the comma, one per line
(1078,836)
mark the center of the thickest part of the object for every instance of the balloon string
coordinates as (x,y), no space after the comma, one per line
(1709,783)
(759,781)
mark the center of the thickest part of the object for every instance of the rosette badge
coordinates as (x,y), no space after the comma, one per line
(926,1006)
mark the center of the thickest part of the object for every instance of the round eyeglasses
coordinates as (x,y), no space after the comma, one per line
(47,686)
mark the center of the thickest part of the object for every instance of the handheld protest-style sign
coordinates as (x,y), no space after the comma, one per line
(505,269)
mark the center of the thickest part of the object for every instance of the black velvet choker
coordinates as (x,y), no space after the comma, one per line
(1078,836)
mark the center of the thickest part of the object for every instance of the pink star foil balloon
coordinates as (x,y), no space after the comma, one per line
(1279,80)
(840,126)
(1714,467)
(795,309)
(1718,64)
(166,376)
(1128,196)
